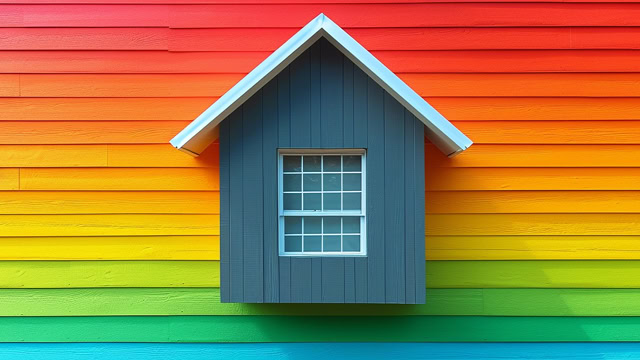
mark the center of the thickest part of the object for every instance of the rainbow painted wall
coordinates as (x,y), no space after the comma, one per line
(108,234)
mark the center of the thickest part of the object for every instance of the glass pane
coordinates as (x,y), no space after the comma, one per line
(291,163)
(312,182)
(312,163)
(352,163)
(293,225)
(331,201)
(312,202)
(291,182)
(351,225)
(292,201)
(351,201)
(331,243)
(331,225)
(331,163)
(332,182)
(352,182)
(351,243)
(292,243)
(312,225)
(312,243)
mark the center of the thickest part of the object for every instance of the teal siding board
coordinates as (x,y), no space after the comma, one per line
(322,100)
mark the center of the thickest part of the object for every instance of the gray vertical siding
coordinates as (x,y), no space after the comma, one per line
(322,100)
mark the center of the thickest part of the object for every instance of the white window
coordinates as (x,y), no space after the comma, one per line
(321,202)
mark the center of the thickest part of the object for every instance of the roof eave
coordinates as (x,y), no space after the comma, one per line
(202,131)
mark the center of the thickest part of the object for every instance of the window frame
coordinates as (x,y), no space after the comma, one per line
(321,213)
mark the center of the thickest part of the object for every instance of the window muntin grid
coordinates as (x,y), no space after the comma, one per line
(322,203)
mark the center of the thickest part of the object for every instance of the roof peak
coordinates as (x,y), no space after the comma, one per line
(203,130)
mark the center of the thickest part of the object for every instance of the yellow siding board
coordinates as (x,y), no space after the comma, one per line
(499,202)
(108,225)
(533,179)
(518,247)
(111,248)
(9,179)
(533,224)
(109,202)
(119,179)
(88,274)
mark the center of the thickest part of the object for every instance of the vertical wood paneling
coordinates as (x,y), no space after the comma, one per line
(252,202)
(375,187)
(270,135)
(409,199)
(236,228)
(331,96)
(225,211)
(301,280)
(419,206)
(322,100)
(300,101)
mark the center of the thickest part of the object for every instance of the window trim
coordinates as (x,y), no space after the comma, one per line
(306,213)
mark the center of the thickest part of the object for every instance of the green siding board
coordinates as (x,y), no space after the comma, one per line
(322,107)
(318,329)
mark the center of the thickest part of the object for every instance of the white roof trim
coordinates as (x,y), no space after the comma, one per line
(202,131)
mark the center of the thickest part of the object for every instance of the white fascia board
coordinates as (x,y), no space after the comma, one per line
(200,133)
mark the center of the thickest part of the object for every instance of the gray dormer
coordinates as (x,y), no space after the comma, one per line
(322,175)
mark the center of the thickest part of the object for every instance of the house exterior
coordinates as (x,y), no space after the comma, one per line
(110,238)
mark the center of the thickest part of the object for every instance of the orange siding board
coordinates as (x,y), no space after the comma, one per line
(538,108)
(551,132)
(527,155)
(130,85)
(102,108)
(471,61)
(160,155)
(526,85)
(89,132)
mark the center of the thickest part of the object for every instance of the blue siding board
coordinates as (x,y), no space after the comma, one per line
(360,108)
(301,280)
(236,263)
(284,265)
(333,280)
(375,190)
(300,101)
(270,190)
(331,97)
(315,78)
(349,280)
(419,206)
(409,195)
(311,351)
(322,100)
(252,200)
(316,280)
(394,235)
(224,211)
(284,108)
(347,102)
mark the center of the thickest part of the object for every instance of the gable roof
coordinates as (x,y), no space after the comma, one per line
(202,131)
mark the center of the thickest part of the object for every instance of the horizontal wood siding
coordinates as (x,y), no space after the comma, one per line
(532,234)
